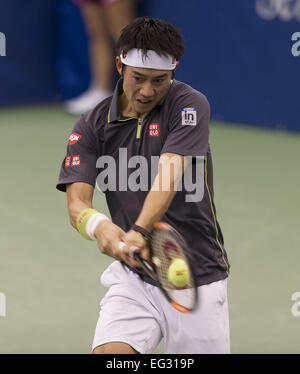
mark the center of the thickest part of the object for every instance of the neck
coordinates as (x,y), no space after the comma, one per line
(126,109)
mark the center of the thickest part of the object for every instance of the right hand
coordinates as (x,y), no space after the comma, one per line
(109,236)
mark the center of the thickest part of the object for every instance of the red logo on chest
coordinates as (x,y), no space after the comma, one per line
(153,129)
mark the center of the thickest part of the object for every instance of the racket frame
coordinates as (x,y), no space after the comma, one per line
(151,268)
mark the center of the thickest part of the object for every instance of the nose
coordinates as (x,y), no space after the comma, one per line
(147,90)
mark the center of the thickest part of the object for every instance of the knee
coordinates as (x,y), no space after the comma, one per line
(114,348)
(100,350)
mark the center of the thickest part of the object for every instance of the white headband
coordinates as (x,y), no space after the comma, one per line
(135,58)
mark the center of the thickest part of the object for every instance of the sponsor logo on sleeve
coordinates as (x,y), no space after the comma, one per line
(76,160)
(188,116)
(68,161)
(74,138)
(153,129)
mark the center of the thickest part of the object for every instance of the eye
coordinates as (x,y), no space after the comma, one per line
(138,79)
(159,80)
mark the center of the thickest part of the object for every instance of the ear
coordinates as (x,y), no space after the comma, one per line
(119,64)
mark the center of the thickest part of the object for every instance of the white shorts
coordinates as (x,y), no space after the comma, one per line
(137,313)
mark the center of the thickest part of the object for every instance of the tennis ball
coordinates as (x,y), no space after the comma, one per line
(82,219)
(178,273)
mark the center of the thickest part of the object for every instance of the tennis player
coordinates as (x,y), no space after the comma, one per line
(152,127)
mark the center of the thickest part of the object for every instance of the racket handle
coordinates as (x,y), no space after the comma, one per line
(137,257)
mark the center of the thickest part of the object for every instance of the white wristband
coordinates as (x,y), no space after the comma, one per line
(92,223)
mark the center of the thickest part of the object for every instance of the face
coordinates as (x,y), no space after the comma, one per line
(143,88)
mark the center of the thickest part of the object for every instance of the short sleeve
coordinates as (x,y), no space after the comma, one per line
(188,126)
(79,164)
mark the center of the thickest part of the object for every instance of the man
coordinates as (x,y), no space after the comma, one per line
(150,116)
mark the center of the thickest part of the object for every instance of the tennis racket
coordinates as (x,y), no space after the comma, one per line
(167,245)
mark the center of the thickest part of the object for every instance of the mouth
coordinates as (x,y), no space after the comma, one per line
(144,102)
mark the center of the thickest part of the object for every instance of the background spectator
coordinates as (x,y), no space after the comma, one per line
(104,20)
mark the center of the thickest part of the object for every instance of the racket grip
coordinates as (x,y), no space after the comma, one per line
(138,258)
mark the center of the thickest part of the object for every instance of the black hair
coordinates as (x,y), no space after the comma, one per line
(151,34)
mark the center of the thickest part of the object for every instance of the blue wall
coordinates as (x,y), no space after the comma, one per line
(28,71)
(242,62)
(238,53)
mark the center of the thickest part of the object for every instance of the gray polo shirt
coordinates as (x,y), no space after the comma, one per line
(120,156)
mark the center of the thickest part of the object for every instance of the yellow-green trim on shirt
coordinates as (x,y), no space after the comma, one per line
(215,221)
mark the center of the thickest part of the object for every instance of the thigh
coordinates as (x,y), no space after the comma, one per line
(118,15)
(94,18)
(126,313)
(205,329)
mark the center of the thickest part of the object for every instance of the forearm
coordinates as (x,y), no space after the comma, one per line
(155,206)
(78,200)
(107,234)
(170,170)
(75,207)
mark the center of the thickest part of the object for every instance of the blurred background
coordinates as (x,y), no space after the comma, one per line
(245,57)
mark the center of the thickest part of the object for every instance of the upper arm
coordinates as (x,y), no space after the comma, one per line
(170,170)
(80,192)
(173,160)
(79,165)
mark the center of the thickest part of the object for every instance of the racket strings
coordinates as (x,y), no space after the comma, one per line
(164,263)
(166,248)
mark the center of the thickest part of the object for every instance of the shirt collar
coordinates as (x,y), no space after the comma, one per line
(113,113)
